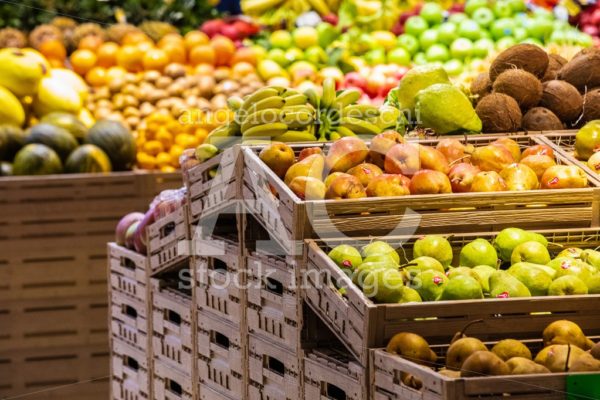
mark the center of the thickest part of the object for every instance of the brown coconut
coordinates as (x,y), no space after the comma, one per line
(499,113)
(563,99)
(583,71)
(529,57)
(556,62)
(541,119)
(481,86)
(591,106)
(521,85)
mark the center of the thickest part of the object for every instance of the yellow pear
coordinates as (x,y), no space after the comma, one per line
(21,71)
(525,366)
(566,332)
(509,348)
(72,79)
(11,110)
(311,166)
(55,95)
(412,347)
(555,357)
(483,363)
(585,363)
(461,349)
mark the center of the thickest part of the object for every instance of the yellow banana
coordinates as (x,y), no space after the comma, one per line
(320,7)
(360,111)
(328,93)
(298,119)
(259,95)
(266,130)
(359,126)
(343,131)
(223,136)
(275,102)
(235,103)
(334,136)
(289,93)
(295,100)
(296,136)
(313,97)
(347,97)
(300,107)
(262,117)
(258,6)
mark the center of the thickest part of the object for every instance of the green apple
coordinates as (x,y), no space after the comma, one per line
(502,27)
(566,286)
(410,295)
(377,248)
(462,287)
(540,28)
(315,55)
(327,34)
(518,6)
(483,47)
(472,5)
(461,48)
(435,246)
(457,18)
(437,52)
(277,55)
(535,278)
(375,56)
(294,54)
(399,56)
(484,272)
(409,42)
(420,59)
(281,39)
(415,25)
(483,16)
(384,285)
(503,9)
(454,67)
(532,252)
(345,256)
(520,33)
(478,252)
(504,285)
(430,284)
(433,13)
(447,33)
(469,29)
(534,41)
(305,36)
(540,12)
(558,37)
(428,38)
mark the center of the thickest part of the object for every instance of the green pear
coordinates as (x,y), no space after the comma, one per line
(387,258)
(571,252)
(384,285)
(504,285)
(591,257)
(509,238)
(566,286)
(430,284)
(454,272)
(536,279)
(478,252)
(434,246)
(360,273)
(424,263)
(410,295)
(378,247)
(532,252)
(571,266)
(509,348)
(345,256)
(484,272)
(462,287)
(593,284)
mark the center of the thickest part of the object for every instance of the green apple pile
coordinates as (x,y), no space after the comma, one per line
(517,263)
(565,348)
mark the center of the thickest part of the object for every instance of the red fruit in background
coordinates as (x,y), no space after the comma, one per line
(461,177)
(595,18)
(454,149)
(129,241)
(354,79)
(375,84)
(591,30)
(231,32)
(332,19)
(139,237)
(213,27)
(124,224)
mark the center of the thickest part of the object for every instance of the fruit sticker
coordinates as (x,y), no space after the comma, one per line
(553,181)
(437,280)
(503,295)
(565,265)
(347,263)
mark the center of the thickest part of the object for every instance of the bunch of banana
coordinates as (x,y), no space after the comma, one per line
(270,113)
(274,12)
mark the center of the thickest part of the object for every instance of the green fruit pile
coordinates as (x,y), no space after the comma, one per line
(565,348)
(516,264)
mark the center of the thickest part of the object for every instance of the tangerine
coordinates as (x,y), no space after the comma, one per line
(224,50)
(82,61)
(245,54)
(90,42)
(155,59)
(175,51)
(195,38)
(171,38)
(130,58)
(202,54)
(135,37)
(115,73)
(97,76)
(53,50)
(107,54)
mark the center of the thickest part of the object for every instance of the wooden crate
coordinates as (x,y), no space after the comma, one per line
(129,320)
(291,220)
(169,383)
(55,373)
(207,393)
(274,303)
(127,271)
(208,194)
(273,372)
(130,372)
(37,324)
(362,324)
(222,362)
(169,241)
(333,374)
(172,326)
(386,369)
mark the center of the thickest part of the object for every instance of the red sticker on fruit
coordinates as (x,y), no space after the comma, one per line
(565,265)
(503,295)
(553,181)
(366,170)
(437,280)
(347,263)
(597,167)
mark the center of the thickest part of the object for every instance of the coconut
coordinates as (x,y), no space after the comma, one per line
(529,57)
(541,119)
(591,105)
(521,85)
(562,99)
(556,62)
(481,86)
(499,113)
(583,71)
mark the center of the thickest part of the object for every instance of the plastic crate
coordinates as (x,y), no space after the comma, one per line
(362,324)
(168,241)
(222,362)
(170,383)
(273,372)
(334,374)
(172,326)
(129,320)
(130,372)
(128,272)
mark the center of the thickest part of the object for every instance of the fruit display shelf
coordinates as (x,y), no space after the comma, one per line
(362,324)
(291,220)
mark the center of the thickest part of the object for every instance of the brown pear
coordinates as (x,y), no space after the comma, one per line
(492,158)
(509,348)
(345,153)
(483,363)
(365,172)
(519,177)
(538,163)
(308,188)
(427,181)
(278,156)
(402,159)
(460,350)
(585,363)
(388,185)
(595,351)
(412,347)
(555,357)
(565,332)
(488,181)
(311,166)
(345,187)
(331,177)
(433,159)
(510,145)
(454,150)
(381,143)
(525,366)
(449,373)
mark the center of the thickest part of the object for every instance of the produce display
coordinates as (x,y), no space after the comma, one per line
(528,89)
(518,263)
(565,347)
(589,21)
(587,141)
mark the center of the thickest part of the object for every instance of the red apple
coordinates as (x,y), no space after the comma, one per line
(402,158)
(427,181)
(461,177)
(124,225)
(212,27)
(354,79)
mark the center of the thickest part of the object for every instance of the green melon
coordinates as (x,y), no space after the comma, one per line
(88,159)
(36,159)
(116,141)
(67,121)
(12,138)
(58,139)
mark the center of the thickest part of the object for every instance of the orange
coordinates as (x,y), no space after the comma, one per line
(224,50)
(107,54)
(145,46)
(245,54)
(135,38)
(115,73)
(155,59)
(96,76)
(54,63)
(171,38)
(175,51)
(202,54)
(130,57)
(204,69)
(53,50)
(242,69)
(175,152)
(82,61)
(90,42)
(153,147)
(195,38)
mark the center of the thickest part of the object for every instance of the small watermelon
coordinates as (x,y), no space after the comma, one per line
(58,139)
(67,121)
(12,138)
(88,159)
(116,141)
(36,159)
